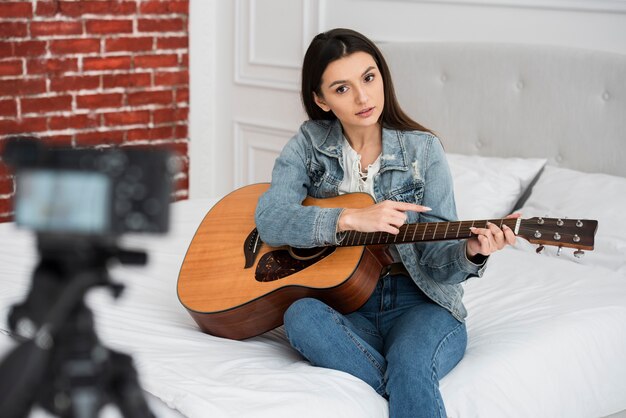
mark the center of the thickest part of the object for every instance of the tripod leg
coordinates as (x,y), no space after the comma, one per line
(125,389)
(21,374)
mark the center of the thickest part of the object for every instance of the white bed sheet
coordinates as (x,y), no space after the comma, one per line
(194,373)
(546,340)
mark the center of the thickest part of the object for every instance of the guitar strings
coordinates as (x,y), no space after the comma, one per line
(414,230)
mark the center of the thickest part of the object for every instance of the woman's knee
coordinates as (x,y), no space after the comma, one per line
(430,360)
(303,313)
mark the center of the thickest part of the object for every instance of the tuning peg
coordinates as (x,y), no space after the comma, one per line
(579,253)
(539,249)
(558,251)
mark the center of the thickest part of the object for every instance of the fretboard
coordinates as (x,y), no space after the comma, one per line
(426,231)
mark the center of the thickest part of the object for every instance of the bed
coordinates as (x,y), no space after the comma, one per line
(538,129)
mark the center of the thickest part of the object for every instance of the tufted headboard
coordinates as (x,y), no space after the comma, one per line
(508,100)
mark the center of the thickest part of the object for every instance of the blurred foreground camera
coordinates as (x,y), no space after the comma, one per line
(78,202)
(90,191)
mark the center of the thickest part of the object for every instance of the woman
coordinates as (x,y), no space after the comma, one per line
(410,333)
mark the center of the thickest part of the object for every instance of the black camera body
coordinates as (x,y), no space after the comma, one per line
(98,192)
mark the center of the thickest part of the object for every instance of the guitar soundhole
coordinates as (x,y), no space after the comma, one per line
(279,264)
(304,254)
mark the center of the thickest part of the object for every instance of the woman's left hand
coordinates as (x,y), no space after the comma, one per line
(490,239)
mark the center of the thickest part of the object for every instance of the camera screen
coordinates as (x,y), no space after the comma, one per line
(63,200)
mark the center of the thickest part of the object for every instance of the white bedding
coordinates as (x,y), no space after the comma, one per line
(546,339)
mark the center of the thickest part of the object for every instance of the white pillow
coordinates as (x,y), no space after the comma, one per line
(489,187)
(560,193)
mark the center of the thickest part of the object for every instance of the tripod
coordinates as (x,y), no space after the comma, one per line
(64,368)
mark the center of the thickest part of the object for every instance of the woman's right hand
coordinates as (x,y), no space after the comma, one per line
(387,216)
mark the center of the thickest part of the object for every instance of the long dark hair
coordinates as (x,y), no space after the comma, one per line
(337,43)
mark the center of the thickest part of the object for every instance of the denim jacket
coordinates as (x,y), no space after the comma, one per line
(413,169)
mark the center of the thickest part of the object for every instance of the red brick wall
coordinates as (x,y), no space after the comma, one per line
(95,73)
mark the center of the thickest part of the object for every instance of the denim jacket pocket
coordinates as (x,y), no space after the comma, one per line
(411,192)
(323,183)
(316,173)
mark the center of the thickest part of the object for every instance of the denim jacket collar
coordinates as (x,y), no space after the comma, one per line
(393,155)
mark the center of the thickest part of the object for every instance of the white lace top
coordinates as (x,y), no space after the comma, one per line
(354,178)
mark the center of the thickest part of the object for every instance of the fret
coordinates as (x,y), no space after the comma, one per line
(445,234)
(470,232)
(458,229)
(414,231)
(357,239)
(425,228)
(347,240)
(405,231)
(350,240)
(435,231)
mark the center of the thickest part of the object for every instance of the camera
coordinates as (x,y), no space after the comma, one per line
(95,192)
(78,202)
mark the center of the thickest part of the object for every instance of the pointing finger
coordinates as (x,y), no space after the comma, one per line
(404,206)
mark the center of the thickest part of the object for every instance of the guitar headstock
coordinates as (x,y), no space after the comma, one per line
(561,232)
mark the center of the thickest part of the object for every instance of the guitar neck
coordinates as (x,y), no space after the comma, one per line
(424,232)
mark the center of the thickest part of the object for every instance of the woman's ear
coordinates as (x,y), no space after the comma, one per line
(320,102)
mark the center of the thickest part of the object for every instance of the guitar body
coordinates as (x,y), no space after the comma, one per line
(228,299)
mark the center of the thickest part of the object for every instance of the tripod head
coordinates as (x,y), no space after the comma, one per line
(62,366)
(64,259)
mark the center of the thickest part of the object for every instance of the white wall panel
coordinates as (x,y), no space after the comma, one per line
(563,23)
(267,42)
(270,40)
(256,148)
(203,48)
(583,5)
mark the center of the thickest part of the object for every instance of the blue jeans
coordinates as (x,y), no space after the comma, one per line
(399,342)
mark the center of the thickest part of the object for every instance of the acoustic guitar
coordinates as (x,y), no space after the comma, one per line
(235,286)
